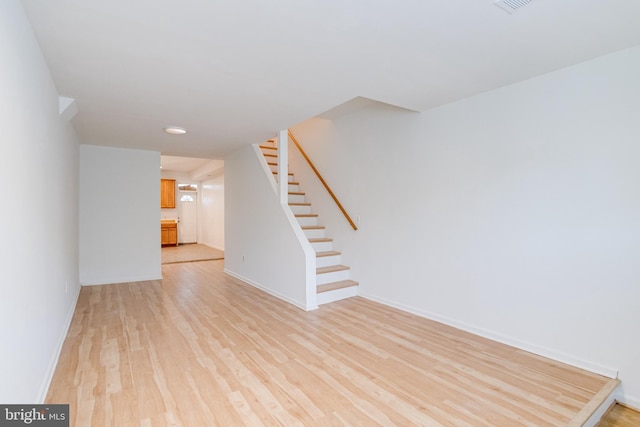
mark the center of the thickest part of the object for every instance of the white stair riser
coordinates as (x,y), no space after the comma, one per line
(336,295)
(300,209)
(274,168)
(294,187)
(326,261)
(296,198)
(307,220)
(334,276)
(314,233)
(322,246)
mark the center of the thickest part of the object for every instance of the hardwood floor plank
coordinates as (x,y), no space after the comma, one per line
(620,415)
(202,348)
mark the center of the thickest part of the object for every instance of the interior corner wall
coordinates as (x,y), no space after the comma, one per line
(211,214)
(119,215)
(514,213)
(39,254)
(261,247)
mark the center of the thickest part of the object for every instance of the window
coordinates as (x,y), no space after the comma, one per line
(186,198)
(188,187)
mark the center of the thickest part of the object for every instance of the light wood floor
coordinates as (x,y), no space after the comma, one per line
(621,416)
(203,349)
(190,253)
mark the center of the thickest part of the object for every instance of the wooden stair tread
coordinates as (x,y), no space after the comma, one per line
(296,193)
(596,401)
(327,253)
(266,147)
(335,285)
(313,227)
(299,204)
(320,240)
(272,164)
(276,173)
(331,269)
(306,215)
(270,155)
(294,183)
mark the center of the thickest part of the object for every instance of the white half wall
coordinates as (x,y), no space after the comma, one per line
(211,218)
(262,248)
(119,215)
(514,214)
(39,254)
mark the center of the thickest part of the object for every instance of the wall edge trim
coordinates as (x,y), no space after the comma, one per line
(53,363)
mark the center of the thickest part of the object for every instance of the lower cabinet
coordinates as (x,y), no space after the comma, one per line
(169,233)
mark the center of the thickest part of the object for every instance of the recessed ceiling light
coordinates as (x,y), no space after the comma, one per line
(174,130)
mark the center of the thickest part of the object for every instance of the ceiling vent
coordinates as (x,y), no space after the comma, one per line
(511,6)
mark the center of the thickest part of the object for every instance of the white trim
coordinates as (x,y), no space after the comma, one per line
(115,280)
(597,415)
(337,295)
(53,363)
(532,348)
(631,401)
(268,291)
(283,167)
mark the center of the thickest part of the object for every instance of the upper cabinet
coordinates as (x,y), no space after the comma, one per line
(168,193)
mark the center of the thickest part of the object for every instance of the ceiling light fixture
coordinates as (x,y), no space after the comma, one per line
(174,130)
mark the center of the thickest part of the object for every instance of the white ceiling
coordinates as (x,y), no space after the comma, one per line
(235,72)
(181,164)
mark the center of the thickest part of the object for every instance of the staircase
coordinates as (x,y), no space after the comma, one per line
(332,278)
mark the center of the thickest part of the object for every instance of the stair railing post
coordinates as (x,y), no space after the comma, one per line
(283,166)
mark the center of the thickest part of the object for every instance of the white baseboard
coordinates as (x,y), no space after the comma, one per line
(532,348)
(265,289)
(53,363)
(630,401)
(122,279)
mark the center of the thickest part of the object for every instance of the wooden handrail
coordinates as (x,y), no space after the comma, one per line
(333,196)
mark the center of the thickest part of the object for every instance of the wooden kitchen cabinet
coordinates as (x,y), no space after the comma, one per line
(169,233)
(168,193)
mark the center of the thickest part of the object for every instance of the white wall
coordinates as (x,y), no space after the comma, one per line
(211,213)
(39,215)
(514,213)
(119,215)
(262,247)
